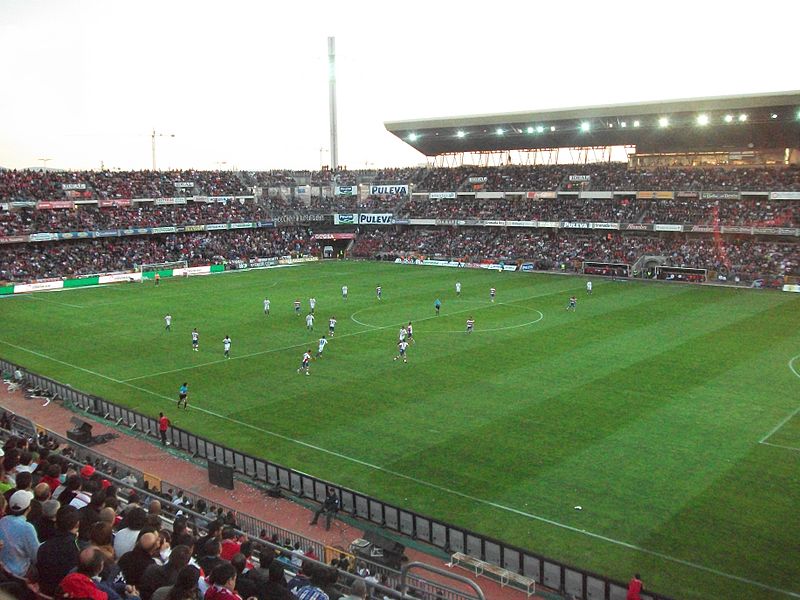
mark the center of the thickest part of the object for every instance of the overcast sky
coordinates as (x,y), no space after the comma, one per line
(245,83)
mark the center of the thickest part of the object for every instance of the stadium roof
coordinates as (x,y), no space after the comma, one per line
(755,121)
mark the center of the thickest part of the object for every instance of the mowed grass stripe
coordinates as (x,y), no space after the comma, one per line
(497,371)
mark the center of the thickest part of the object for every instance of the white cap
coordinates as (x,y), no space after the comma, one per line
(20,501)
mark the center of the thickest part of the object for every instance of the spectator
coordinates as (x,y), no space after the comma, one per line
(276,588)
(101,537)
(184,588)
(22,481)
(46,523)
(358,591)
(90,514)
(313,590)
(59,555)
(223,583)
(211,555)
(245,586)
(231,543)
(133,563)
(125,539)
(156,576)
(19,540)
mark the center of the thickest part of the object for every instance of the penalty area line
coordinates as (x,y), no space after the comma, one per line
(429,484)
(788,417)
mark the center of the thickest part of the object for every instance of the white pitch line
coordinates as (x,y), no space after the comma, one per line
(461,331)
(437,487)
(792,448)
(791,415)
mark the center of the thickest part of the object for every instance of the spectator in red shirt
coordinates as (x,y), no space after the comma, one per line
(634,588)
(230,544)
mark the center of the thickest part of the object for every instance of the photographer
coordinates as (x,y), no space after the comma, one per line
(329,508)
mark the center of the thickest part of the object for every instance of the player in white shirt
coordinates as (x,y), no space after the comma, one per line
(331,326)
(458,288)
(312,302)
(322,343)
(492,293)
(310,322)
(266,306)
(344,292)
(168,322)
(402,346)
(306,361)
(195,340)
(403,334)
(226,344)
(589,287)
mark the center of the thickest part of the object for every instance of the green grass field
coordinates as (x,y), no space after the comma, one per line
(646,406)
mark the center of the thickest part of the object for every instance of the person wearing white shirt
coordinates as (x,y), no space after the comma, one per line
(266,306)
(310,322)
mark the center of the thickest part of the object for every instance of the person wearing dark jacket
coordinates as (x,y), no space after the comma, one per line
(46,523)
(134,563)
(276,588)
(245,586)
(59,555)
(156,576)
(90,514)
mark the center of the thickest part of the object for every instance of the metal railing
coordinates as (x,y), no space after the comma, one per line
(555,575)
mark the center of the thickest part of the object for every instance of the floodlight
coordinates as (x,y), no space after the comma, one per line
(742,118)
(623,124)
(773,116)
(552,128)
(702,119)
(585,126)
(461,134)
(530,129)
(412,137)
(663,122)
(499,131)
(539,129)
(636,123)
(728,118)
(611,126)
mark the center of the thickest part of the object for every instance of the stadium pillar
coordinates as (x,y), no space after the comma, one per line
(332,102)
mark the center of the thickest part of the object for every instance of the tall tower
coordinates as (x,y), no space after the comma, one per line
(332,102)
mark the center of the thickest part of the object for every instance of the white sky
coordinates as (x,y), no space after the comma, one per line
(245,83)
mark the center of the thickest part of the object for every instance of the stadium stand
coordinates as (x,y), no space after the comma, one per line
(167,525)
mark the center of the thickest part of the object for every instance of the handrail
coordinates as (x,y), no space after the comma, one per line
(423,567)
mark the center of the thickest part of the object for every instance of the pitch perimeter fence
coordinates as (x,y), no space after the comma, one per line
(566,579)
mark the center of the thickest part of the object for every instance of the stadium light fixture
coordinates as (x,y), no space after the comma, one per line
(499,131)
(624,124)
(585,126)
(611,126)
(636,123)
(702,120)
(412,137)
(773,116)
(539,129)
(728,118)
(663,122)
(530,129)
(742,118)
(461,134)
(552,128)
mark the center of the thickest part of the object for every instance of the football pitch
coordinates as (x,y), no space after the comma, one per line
(668,412)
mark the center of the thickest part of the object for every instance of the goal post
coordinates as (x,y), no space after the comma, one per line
(164,269)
